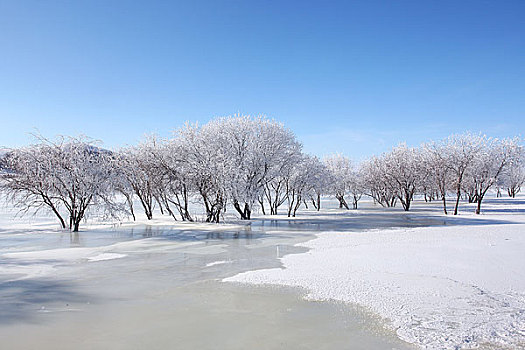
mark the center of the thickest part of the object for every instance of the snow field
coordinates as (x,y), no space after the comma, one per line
(437,287)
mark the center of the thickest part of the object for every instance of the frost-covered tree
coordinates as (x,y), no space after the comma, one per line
(340,168)
(356,185)
(513,177)
(403,169)
(26,180)
(304,178)
(514,180)
(254,151)
(207,165)
(122,186)
(68,175)
(176,188)
(463,150)
(302,181)
(319,181)
(245,172)
(468,187)
(275,190)
(377,183)
(395,175)
(437,160)
(139,167)
(491,161)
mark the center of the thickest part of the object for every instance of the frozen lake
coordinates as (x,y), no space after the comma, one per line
(157,286)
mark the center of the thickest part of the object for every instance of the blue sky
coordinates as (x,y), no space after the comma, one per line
(353,76)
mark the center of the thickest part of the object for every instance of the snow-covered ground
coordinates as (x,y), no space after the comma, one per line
(444,287)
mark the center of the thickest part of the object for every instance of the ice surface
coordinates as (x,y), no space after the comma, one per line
(457,283)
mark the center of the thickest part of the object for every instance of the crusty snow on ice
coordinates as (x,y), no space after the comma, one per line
(437,287)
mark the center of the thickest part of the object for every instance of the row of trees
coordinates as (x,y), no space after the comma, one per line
(246,164)
(239,160)
(466,165)
(242,161)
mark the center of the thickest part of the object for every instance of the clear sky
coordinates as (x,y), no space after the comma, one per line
(353,76)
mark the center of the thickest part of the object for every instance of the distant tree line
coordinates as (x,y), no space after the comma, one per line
(248,163)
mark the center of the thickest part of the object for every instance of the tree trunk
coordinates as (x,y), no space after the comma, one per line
(160,205)
(241,212)
(168,209)
(74,220)
(147,208)
(392,202)
(247,211)
(481,195)
(458,196)
(342,202)
(297,205)
(478,207)
(291,203)
(131,210)
(513,191)
(407,200)
(261,203)
(76,226)
(55,210)
(62,222)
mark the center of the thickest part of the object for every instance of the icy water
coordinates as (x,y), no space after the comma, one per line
(159,287)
